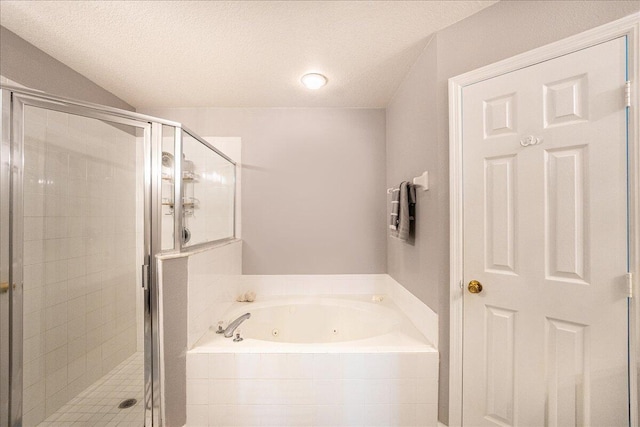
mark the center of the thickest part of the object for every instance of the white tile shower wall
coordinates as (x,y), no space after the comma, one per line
(314,284)
(319,389)
(213,277)
(212,218)
(140,196)
(166,238)
(79,256)
(232,147)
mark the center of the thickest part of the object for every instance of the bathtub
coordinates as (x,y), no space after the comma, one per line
(314,360)
(310,323)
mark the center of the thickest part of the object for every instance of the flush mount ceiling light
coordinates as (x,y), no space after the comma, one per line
(313,81)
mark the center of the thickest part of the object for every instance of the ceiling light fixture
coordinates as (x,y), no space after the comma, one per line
(313,81)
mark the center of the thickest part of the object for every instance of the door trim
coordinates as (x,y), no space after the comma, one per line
(628,26)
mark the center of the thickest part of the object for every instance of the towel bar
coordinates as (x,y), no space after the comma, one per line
(421,182)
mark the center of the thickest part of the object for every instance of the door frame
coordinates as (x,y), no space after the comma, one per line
(14,100)
(629,27)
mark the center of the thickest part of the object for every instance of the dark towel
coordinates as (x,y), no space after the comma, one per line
(406,212)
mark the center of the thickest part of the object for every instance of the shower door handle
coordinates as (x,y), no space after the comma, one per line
(145,277)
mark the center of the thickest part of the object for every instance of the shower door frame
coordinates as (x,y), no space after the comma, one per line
(14,101)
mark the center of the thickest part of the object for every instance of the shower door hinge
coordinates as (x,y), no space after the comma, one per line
(630,284)
(627,93)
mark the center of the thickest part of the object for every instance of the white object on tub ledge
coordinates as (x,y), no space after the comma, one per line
(247,297)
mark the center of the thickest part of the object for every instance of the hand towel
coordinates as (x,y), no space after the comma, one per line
(406,214)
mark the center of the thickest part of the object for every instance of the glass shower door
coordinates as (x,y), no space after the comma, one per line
(83,241)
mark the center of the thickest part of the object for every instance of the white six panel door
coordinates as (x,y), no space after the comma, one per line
(545,232)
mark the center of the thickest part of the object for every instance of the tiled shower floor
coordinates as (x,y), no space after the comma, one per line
(98,404)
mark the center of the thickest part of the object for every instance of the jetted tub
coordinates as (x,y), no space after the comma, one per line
(313,360)
(312,323)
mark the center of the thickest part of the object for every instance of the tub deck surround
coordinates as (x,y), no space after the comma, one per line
(215,280)
(380,368)
(377,368)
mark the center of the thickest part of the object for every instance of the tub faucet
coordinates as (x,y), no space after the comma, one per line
(228,331)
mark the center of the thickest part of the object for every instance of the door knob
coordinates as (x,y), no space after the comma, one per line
(475,287)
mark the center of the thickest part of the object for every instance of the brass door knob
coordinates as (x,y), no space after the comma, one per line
(4,287)
(475,287)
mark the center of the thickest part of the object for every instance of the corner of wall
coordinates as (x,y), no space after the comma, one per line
(411,148)
(25,64)
(423,317)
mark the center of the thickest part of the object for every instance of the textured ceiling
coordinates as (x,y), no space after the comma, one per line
(237,53)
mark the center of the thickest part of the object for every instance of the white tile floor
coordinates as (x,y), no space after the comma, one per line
(98,404)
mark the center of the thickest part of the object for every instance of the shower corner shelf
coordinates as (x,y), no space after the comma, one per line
(169,179)
(187,205)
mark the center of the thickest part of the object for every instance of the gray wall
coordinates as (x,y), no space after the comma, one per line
(412,148)
(27,65)
(313,185)
(422,264)
(415,142)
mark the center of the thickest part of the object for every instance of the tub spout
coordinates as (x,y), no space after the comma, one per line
(228,332)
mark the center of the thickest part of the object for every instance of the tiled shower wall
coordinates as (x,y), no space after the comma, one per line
(213,285)
(79,256)
(213,192)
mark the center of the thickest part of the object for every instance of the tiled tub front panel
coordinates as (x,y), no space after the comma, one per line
(312,389)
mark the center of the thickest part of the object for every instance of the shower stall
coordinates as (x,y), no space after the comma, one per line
(89,196)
